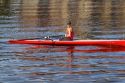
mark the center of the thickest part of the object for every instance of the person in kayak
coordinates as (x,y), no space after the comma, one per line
(69,34)
(69,31)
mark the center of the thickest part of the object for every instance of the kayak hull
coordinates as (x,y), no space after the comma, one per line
(66,43)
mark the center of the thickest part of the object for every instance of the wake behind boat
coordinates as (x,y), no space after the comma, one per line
(70,43)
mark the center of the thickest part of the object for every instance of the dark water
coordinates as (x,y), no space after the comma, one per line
(91,19)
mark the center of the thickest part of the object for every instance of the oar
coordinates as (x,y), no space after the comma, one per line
(47,37)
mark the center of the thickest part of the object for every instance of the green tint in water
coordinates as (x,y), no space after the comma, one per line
(5,7)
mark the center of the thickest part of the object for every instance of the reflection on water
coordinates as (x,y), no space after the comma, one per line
(4,7)
(75,64)
(91,19)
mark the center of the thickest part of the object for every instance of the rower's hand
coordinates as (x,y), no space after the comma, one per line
(65,35)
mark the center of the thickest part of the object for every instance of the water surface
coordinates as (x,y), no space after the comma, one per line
(91,19)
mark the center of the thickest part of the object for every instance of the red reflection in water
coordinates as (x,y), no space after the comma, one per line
(70,50)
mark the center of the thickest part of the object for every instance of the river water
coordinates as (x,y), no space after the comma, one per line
(91,19)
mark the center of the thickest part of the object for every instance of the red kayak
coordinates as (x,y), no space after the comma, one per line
(68,43)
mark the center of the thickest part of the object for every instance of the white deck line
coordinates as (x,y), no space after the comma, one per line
(98,40)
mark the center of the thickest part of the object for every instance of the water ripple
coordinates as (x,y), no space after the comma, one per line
(20,19)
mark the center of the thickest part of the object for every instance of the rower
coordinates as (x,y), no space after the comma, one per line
(69,31)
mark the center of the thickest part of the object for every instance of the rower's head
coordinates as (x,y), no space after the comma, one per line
(69,23)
